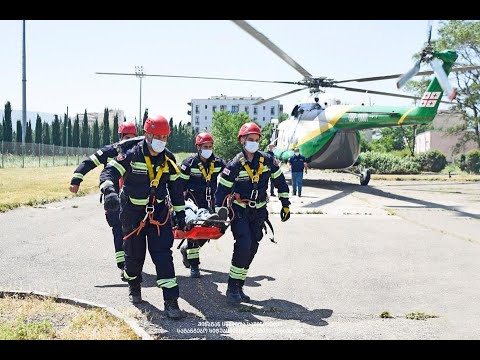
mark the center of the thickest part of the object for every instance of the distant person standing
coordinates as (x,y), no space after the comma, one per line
(270,151)
(297,163)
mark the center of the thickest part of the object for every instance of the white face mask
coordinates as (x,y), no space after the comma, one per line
(158,145)
(296,153)
(206,153)
(251,146)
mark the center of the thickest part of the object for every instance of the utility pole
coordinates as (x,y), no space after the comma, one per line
(24,90)
(139,73)
(66,142)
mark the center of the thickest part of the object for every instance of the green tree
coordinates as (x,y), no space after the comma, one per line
(28,134)
(69,132)
(7,125)
(96,135)
(76,133)
(1,128)
(56,132)
(38,130)
(282,117)
(46,133)
(85,134)
(225,130)
(115,127)
(19,132)
(106,134)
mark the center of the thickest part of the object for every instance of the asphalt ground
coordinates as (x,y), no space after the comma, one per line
(348,254)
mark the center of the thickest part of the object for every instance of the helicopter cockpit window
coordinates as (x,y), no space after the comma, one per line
(307,111)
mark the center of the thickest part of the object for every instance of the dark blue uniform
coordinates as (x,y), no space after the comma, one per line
(272,193)
(103,156)
(297,166)
(134,197)
(250,216)
(201,191)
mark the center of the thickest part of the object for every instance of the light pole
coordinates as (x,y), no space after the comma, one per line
(24,88)
(139,73)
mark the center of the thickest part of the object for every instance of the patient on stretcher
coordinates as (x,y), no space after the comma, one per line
(201,216)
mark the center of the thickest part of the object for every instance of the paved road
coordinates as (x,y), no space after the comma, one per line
(347,254)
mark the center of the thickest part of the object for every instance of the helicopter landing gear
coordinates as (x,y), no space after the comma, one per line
(363,175)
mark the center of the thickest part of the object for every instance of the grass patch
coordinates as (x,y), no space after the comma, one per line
(420,316)
(35,186)
(386,315)
(34,318)
(460,177)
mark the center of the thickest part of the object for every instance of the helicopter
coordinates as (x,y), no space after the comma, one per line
(328,133)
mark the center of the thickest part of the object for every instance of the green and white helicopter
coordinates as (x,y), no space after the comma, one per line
(328,136)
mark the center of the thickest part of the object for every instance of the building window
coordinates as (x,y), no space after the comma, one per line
(197,129)
(255,118)
(234,109)
(197,110)
(214,108)
(197,121)
(264,118)
(264,108)
(205,118)
(255,110)
(272,110)
(222,107)
(280,108)
(246,109)
(206,106)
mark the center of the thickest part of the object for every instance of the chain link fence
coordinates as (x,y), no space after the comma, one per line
(14,155)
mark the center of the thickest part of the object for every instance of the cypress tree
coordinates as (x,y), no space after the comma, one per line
(96,135)
(7,125)
(84,136)
(28,134)
(106,135)
(76,133)
(19,132)
(38,130)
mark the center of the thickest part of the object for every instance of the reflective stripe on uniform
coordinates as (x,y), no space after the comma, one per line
(174,177)
(77,176)
(167,283)
(94,159)
(135,201)
(195,171)
(193,253)
(238,273)
(178,208)
(117,166)
(283,195)
(184,176)
(120,256)
(276,174)
(138,165)
(258,205)
(105,184)
(128,277)
(226,183)
(217,169)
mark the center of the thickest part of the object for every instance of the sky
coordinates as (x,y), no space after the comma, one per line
(63,56)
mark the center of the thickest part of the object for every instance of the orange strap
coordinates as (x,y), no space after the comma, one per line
(239,199)
(143,223)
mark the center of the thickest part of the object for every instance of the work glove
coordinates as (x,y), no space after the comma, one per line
(285,214)
(111,202)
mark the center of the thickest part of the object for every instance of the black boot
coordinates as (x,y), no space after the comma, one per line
(245,297)
(233,293)
(183,250)
(172,309)
(135,293)
(194,271)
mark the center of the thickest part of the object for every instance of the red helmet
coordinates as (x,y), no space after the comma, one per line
(127,127)
(203,138)
(249,128)
(157,125)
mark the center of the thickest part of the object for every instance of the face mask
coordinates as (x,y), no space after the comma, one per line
(297,153)
(251,146)
(158,145)
(206,153)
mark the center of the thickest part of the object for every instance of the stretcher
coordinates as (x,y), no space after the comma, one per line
(201,230)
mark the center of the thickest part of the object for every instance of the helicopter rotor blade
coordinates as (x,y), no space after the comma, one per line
(442,78)
(201,77)
(274,48)
(277,96)
(409,74)
(429,31)
(394,76)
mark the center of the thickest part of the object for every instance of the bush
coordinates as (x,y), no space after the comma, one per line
(383,163)
(472,161)
(432,160)
(460,162)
